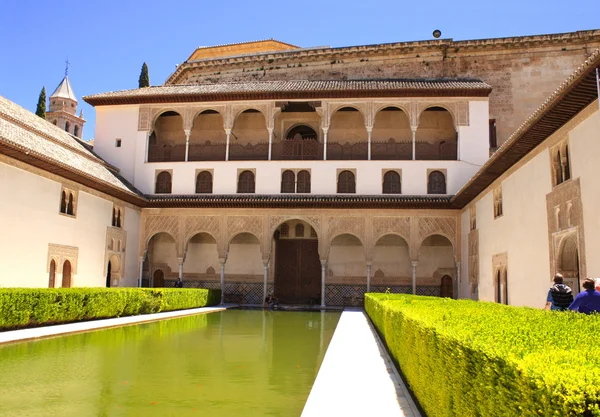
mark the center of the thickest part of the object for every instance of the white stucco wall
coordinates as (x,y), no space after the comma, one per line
(31,221)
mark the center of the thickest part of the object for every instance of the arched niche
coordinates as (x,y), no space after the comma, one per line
(435,259)
(167,139)
(162,251)
(201,253)
(391,256)
(347,260)
(244,257)
(436,136)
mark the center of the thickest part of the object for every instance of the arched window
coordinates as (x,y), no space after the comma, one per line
(559,169)
(567,165)
(119,218)
(66,278)
(76,130)
(288,182)
(299,230)
(391,183)
(204,183)
(303,182)
(163,183)
(52,274)
(54,121)
(63,202)
(67,126)
(284,230)
(346,182)
(70,208)
(246,182)
(114,217)
(436,183)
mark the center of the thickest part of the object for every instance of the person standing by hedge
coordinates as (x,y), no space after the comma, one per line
(560,296)
(587,301)
(179,283)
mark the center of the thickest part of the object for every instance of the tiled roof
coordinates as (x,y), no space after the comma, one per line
(64,90)
(216,91)
(299,200)
(571,97)
(23,133)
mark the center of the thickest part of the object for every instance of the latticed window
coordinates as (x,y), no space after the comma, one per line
(436,183)
(63,202)
(246,182)
(116,218)
(304,182)
(67,202)
(163,183)
(284,230)
(346,182)
(567,165)
(391,183)
(288,182)
(313,232)
(204,183)
(299,230)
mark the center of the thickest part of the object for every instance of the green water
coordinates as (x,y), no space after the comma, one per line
(230,363)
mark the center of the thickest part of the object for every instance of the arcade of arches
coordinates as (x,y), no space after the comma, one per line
(305,131)
(312,257)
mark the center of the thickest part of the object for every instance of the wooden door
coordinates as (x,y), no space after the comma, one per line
(159,279)
(66,278)
(297,271)
(447,290)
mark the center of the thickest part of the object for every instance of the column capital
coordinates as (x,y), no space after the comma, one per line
(369,264)
(323,263)
(265,262)
(180,261)
(413,128)
(187,132)
(228,131)
(414,263)
(222,261)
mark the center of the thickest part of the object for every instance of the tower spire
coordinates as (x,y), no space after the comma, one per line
(67,67)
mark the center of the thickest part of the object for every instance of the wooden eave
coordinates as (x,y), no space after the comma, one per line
(576,96)
(282,95)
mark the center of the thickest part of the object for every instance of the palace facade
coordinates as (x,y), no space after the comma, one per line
(317,174)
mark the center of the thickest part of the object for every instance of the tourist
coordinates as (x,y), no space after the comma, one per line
(179,283)
(560,296)
(597,284)
(587,301)
(267,300)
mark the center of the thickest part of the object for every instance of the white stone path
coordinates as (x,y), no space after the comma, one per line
(357,377)
(83,326)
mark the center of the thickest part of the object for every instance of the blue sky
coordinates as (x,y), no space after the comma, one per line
(107,41)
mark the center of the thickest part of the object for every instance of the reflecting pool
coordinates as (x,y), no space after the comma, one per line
(229,363)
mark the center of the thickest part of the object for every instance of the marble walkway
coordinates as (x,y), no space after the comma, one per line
(357,377)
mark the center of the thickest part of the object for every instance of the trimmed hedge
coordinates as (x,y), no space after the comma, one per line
(466,358)
(29,307)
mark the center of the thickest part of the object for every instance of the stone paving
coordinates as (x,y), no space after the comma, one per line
(83,326)
(357,376)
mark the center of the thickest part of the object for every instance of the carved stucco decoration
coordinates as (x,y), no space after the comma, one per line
(445,226)
(276,221)
(323,113)
(199,224)
(144,119)
(408,107)
(474,257)
(390,225)
(351,225)
(60,254)
(245,224)
(158,224)
(366,109)
(459,110)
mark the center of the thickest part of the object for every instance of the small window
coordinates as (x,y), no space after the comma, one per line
(204,183)
(493,136)
(163,183)
(436,183)
(67,126)
(288,182)
(76,130)
(284,230)
(117,217)
(117,143)
(391,183)
(54,121)
(246,182)
(566,164)
(346,182)
(498,202)
(68,202)
(299,230)
(303,182)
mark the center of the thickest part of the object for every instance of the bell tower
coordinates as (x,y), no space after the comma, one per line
(63,108)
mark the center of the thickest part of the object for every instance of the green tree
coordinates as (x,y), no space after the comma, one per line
(144,80)
(41,106)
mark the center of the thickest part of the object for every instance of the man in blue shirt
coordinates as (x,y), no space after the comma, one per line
(587,301)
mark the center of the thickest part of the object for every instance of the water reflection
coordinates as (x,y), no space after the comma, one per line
(238,362)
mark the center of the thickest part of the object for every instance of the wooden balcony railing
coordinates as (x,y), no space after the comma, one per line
(305,150)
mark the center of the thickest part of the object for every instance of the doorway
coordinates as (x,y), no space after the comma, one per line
(158,278)
(446,289)
(108,275)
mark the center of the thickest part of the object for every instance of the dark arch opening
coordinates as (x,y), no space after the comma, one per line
(301,132)
(108,272)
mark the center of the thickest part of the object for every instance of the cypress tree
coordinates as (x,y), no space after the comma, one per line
(144,80)
(41,106)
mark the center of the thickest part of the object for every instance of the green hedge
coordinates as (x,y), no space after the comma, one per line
(466,358)
(27,307)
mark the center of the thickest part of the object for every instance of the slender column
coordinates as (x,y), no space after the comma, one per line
(147,145)
(180,262)
(323,273)
(141,270)
(457,143)
(414,276)
(458,280)
(369,132)
(228,133)
(414,142)
(270,142)
(266,277)
(325,129)
(222,261)
(187,144)
(368,276)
